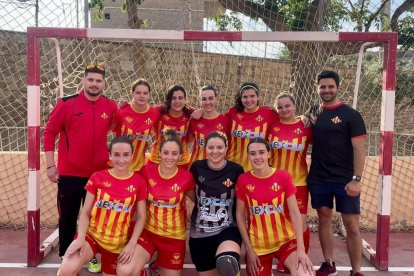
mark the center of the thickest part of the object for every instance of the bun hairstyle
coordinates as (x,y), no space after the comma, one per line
(217,134)
(170,135)
(286,94)
(140,81)
(120,139)
(259,140)
(238,98)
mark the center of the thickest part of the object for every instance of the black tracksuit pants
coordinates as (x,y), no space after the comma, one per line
(71,193)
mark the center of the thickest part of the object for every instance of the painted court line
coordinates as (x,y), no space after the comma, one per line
(189,266)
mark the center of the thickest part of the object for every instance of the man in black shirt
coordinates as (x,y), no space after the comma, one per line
(338,157)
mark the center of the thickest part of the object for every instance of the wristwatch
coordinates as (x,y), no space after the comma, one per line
(356,178)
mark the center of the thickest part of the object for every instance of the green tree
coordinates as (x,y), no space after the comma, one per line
(304,15)
(129,6)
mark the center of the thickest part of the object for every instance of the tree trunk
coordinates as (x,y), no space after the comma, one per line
(133,20)
(306,64)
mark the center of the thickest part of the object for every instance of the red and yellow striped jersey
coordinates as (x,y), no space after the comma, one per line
(166,213)
(180,125)
(269,225)
(114,205)
(289,144)
(244,126)
(137,126)
(199,129)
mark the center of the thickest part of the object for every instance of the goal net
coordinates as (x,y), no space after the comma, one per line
(276,61)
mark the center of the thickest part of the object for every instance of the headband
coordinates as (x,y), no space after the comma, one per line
(248,86)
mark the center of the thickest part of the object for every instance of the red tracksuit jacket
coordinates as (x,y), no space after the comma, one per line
(83,127)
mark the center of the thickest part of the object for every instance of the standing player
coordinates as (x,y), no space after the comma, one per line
(82,122)
(267,196)
(214,238)
(338,158)
(112,197)
(165,228)
(210,121)
(247,120)
(289,140)
(136,120)
(174,115)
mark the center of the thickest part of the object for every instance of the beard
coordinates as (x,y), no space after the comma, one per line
(93,93)
(328,97)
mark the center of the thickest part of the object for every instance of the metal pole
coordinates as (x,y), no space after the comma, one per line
(86,11)
(37,13)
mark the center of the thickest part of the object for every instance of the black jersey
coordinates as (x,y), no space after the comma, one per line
(215,206)
(332,151)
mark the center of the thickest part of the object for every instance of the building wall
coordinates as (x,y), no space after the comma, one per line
(160,14)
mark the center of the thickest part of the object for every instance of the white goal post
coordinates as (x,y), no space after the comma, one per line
(37,250)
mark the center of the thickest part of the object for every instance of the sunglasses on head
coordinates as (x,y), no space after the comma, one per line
(93,66)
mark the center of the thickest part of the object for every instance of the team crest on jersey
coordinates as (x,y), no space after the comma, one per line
(176,258)
(148,121)
(298,131)
(175,187)
(227,183)
(106,184)
(201,178)
(276,129)
(184,119)
(166,117)
(275,187)
(259,118)
(239,116)
(129,119)
(152,182)
(250,187)
(104,116)
(131,188)
(336,120)
(219,127)
(200,125)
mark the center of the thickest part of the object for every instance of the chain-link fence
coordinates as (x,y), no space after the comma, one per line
(275,66)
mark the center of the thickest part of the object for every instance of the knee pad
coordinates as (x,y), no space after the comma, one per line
(228,263)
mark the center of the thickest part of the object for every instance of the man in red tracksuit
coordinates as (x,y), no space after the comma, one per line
(82,122)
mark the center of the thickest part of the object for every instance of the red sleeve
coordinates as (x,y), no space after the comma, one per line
(118,122)
(54,125)
(190,129)
(287,183)
(226,125)
(114,109)
(186,177)
(92,185)
(229,114)
(274,116)
(143,172)
(240,192)
(191,184)
(141,188)
(159,107)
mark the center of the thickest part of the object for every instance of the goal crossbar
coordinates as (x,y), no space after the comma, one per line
(36,252)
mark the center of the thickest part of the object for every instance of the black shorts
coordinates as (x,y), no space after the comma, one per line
(203,250)
(323,194)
